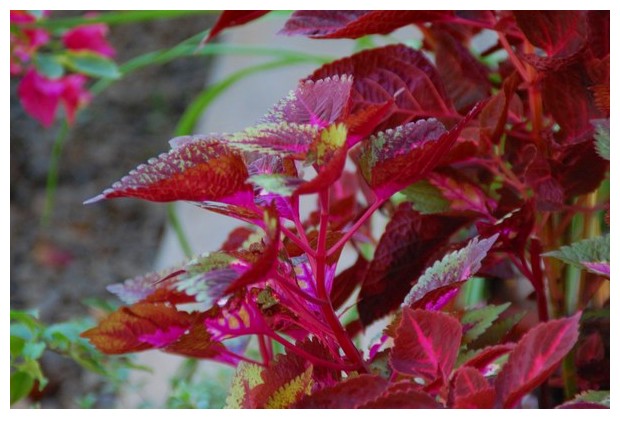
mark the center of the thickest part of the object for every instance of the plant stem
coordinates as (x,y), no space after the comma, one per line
(321,257)
(173,218)
(264,351)
(115,18)
(538,277)
(52,175)
(343,240)
(310,357)
(298,241)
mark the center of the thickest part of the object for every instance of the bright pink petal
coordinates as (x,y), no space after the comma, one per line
(40,96)
(74,94)
(90,38)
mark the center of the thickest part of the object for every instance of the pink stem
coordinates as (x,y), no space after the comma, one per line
(343,240)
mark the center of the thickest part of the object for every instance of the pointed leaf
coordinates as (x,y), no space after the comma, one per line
(91,64)
(396,158)
(393,73)
(233,18)
(404,250)
(197,343)
(282,139)
(466,78)
(201,169)
(139,327)
(246,378)
(426,198)
(318,103)
(352,24)
(463,195)
(471,390)
(351,393)
(293,391)
(602,139)
(426,345)
(535,357)
(476,322)
(590,253)
(454,268)
(403,398)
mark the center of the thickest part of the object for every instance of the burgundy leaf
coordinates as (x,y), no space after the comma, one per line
(463,194)
(321,102)
(561,34)
(494,115)
(485,357)
(264,265)
(396,158)
(453,268)
(346,282)
(351,393)
(466,79)
(403,252)
(393,73)
(236,238)
(281,139)
(535,357)
(426,345)
(352,24)
(233,18)
(201,169)
(405,396)
(139,327)
(471,390)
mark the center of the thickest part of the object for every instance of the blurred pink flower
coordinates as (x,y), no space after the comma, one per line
(25,41)
(40,95)
(90,38)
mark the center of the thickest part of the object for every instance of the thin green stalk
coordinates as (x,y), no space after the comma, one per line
(178,230)
(116,18)
(52,174)
(189,47)
(472,292)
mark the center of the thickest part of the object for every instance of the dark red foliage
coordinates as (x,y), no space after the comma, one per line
(404,251)
(485,164)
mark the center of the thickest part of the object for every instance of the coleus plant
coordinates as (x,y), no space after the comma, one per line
(485,163)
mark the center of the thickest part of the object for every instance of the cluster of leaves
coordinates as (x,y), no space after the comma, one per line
(480,160)
(54,67)
(30,339)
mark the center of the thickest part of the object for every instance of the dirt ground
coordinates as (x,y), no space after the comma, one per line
(85,248)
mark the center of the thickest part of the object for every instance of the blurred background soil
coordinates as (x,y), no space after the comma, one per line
(85,248)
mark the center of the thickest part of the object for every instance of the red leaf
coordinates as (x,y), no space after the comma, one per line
(396,158)
(351,393)
(562,34)
(265,263)
(471,390)
(346,282)
(394,72)
(233,18)
(236,238)
(199,169)
(403,397)
(352,24)
(535,357)
(426,345)
(403,252)
(488,355)
(566,96)
(466,79)
(197,343)
(139,327)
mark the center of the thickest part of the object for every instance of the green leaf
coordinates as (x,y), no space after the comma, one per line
(33,350)
(596,396)
(480,320)
(584,253)
(495,333)
(91,64)
(50,65)
(246,378)
(276,183)
(27,318)
(17,345)
(602,138)
(21,385)
(426,198)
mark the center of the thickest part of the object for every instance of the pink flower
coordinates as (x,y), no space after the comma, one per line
(24,41)
(40,95)
(89,38)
